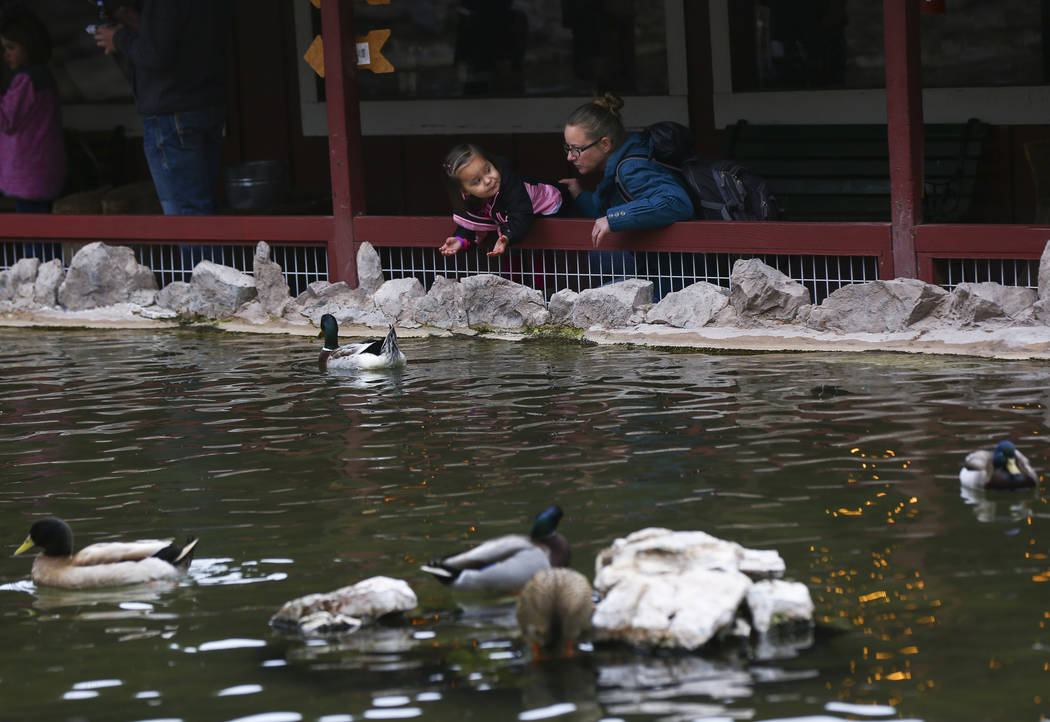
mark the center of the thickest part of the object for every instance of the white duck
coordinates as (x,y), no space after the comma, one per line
(372,354)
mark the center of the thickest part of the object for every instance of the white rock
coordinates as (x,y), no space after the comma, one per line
(442,307)
(680,610)
(396,299)
(692,307)
(220,290)
(761,290)
(774,602)
(495,302)
(1044,274)
(364,601)
(16,283)
(270,283)
(976,302)
(369,268)
(613,306)
(101,275)
(877,306)
(560,306)
(327,623)
(674,588)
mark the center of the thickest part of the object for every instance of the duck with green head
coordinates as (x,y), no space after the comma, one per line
(106,564)
(505,564)
(380,353)
(1003,467)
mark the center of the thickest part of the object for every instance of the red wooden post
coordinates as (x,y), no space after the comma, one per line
(344,136)
(904,123)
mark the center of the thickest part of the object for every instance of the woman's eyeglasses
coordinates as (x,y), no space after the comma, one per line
(575,151)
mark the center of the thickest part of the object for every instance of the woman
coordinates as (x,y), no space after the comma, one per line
(650,195)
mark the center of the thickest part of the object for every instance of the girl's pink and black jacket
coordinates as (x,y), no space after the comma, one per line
(511,211)
(32,150)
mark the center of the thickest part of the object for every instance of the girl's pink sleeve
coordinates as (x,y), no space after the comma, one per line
(16,105)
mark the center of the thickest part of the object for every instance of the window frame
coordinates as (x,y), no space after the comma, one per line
(1019,105)
(460,116)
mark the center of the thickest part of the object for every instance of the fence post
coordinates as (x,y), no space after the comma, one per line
(904,126)
(344,137)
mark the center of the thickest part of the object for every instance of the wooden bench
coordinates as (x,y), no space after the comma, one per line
(841,172)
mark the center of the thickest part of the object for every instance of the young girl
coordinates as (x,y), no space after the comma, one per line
(488,196)
(32,152)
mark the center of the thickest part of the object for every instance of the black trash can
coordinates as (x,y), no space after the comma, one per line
(256,185)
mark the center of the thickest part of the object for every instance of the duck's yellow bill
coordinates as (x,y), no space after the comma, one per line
(27,544)
(1011,466)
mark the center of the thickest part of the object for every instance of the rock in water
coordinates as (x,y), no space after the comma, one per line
(346,609)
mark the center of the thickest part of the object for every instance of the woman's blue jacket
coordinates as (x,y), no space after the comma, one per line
(659,197)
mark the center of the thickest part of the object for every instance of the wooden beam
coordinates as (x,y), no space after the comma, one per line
(306,230)
(685,236)
(344,136)
(974,240)
(904,119)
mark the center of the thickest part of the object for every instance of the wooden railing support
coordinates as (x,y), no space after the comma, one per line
(344,137)
(904,122)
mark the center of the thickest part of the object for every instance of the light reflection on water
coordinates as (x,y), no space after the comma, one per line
(298,482)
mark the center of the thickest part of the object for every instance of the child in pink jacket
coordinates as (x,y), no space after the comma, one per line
(32,151)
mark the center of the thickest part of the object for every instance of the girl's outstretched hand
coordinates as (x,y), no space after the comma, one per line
(450,247)
(499,248)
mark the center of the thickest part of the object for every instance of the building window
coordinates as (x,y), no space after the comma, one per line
(839,44)
(511,48)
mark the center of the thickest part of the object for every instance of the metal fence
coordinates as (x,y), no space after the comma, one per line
(551,271)
(302,265)
(546,270)
(950,272)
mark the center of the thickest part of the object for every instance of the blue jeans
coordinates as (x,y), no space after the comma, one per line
(612,265)
(183,152)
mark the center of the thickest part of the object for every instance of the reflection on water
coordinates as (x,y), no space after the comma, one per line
(931,600)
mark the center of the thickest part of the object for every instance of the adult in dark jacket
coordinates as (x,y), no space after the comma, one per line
(178,53)
(596,141)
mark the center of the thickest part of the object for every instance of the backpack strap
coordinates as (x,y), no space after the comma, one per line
(722,208)
(619,181)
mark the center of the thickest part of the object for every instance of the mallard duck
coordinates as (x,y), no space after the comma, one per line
(506,563)
(1003,468)
(106,564)
(554,609)
(380,353)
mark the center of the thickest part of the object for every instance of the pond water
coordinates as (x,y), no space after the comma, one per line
(930,606)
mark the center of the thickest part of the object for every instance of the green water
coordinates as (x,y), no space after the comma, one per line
(930,606)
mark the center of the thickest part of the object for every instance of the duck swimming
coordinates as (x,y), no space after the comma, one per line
(553,610)
(506,563)
(1002,468)
(106,564)
(373,354)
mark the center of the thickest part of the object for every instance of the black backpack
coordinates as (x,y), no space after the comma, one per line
(720,190)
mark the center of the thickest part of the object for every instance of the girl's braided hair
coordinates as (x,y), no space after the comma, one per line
(454,161)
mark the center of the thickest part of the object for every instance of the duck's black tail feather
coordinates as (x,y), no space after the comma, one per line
(178,555)
(445,575)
